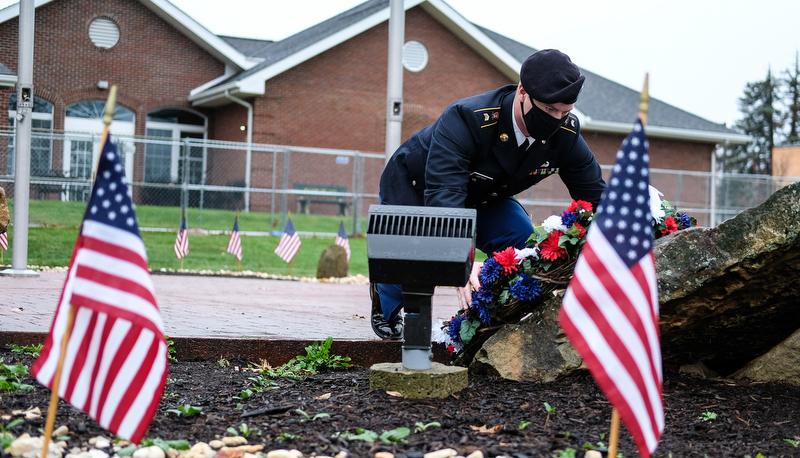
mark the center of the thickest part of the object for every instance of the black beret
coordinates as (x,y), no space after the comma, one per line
(549,76)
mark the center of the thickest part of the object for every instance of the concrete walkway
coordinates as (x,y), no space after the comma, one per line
(254,310)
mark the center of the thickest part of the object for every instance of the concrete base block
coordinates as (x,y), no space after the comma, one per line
(439,381)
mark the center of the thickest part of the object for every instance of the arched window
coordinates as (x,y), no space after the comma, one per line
(41,141)
(84,127)
(163,162)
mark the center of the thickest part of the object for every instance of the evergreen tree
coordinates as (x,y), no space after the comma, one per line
(761,120)
(793,99)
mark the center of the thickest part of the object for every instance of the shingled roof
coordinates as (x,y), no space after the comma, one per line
(604,105)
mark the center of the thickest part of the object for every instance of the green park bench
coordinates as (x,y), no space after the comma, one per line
(304,201)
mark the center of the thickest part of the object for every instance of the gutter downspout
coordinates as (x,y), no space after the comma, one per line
(249,160)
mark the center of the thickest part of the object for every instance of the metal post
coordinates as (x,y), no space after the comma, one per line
(287,154)
(22,146)
(272,194)
(394,91)
(356,193)
(713,208)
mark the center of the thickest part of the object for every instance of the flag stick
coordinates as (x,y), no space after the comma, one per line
(108,116)
(644,106)
(612,440)
(51,411)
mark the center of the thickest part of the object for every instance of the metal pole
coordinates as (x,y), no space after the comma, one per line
(22,146)
(249,157)
(287,154)
(394,90)
(713,207)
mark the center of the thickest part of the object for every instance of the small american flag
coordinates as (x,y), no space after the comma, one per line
(115,362)
(235,242)
(341,239)
(610,310)
(182,241)
(289,244)
(4,240)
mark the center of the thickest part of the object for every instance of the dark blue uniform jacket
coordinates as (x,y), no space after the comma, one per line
(470,156)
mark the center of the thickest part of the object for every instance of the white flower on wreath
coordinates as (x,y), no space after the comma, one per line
(438,334)
(441,336)
(524,253)
(655,205)
(553,223)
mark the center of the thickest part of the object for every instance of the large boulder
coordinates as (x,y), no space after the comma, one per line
(731,293)
(727,295)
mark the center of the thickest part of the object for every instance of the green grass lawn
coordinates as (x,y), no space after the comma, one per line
(51,244)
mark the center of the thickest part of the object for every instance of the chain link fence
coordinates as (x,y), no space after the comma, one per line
(283,180)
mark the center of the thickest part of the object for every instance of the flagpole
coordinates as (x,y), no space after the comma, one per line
(644,106)
(51,410)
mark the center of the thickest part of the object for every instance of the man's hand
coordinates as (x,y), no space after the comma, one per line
(465,294)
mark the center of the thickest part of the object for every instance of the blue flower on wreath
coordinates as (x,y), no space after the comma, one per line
(484,295)
(482,310)
(454,330)
(527,288)
(686,220)
(490,272)
(567,218)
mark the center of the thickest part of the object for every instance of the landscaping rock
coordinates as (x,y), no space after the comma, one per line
(780,364)
(61,431)
(333,262)
(535,349)
(26,446)
(233,441)
(152,451)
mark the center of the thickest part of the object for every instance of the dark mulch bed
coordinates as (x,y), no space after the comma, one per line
(751,417)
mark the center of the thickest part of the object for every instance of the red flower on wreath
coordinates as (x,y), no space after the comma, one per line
(581,230)
(508,259)
(672,226)
(581,204)
(549,248)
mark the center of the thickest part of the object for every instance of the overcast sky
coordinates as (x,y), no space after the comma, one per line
(699,53)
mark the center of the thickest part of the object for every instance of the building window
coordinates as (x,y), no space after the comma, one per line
(41,141)
(94,109)
(164,161)
(104,33)
(84,127)
(415,56)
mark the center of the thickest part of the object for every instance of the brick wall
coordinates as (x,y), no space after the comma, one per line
(153,65)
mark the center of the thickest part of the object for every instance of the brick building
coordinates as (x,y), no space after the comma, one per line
(324,87)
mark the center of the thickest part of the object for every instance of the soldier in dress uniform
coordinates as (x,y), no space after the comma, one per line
(481,152)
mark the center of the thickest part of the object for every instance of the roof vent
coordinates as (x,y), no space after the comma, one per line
(415,56)
(104,33)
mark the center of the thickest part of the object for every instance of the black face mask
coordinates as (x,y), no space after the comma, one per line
(540,125)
